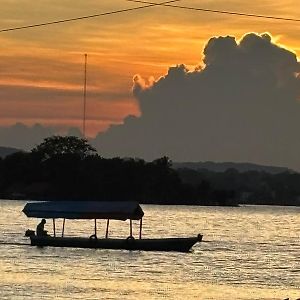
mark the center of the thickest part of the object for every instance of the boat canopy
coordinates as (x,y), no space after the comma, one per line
(116,210)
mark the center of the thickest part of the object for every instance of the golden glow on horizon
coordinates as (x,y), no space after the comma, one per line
(41,61)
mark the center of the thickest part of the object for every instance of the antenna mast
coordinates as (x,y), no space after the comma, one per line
(84,96)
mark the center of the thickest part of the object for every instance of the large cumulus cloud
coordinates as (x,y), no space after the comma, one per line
(242,104)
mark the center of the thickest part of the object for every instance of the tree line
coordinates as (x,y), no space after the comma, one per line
(250,187)
(68,168)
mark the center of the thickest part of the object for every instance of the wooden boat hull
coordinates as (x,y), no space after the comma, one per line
(165,244)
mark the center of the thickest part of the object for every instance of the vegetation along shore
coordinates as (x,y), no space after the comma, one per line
(68,168)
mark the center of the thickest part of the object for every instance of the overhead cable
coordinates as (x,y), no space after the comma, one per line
(217,11)
(152,4)
(85,17)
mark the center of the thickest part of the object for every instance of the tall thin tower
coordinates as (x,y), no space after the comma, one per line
(84,96)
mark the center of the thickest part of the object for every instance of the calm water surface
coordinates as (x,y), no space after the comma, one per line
(250,252)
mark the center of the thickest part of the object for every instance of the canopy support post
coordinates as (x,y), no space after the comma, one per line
(63,229)
(54,233)
(95,227)
(130,227)
(107,225)
(141,224)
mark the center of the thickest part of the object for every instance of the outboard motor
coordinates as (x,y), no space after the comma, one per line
(29,233)
(199,236)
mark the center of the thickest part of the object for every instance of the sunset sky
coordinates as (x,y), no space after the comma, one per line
(42,68)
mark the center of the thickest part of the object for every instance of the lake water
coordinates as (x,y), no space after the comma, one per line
(248,252)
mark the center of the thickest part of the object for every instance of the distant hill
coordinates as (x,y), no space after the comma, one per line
(223,166)
(4,151)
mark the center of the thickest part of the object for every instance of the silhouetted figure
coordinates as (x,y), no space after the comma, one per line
(40,229)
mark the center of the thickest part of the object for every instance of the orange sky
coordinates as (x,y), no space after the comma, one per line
(41,69)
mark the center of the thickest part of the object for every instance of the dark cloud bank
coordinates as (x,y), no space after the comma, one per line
(25,137)
(242,105)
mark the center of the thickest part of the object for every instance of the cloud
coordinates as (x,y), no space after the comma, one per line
(60,107)
(242,104)
(24,137)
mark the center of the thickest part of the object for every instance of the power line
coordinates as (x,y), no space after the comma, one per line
(218,11)
(150,4)
(85,17)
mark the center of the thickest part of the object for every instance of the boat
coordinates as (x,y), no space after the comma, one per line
(113,210)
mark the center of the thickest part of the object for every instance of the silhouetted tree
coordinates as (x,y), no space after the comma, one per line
(61,145)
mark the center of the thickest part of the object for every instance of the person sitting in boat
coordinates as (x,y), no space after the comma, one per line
(40,231)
